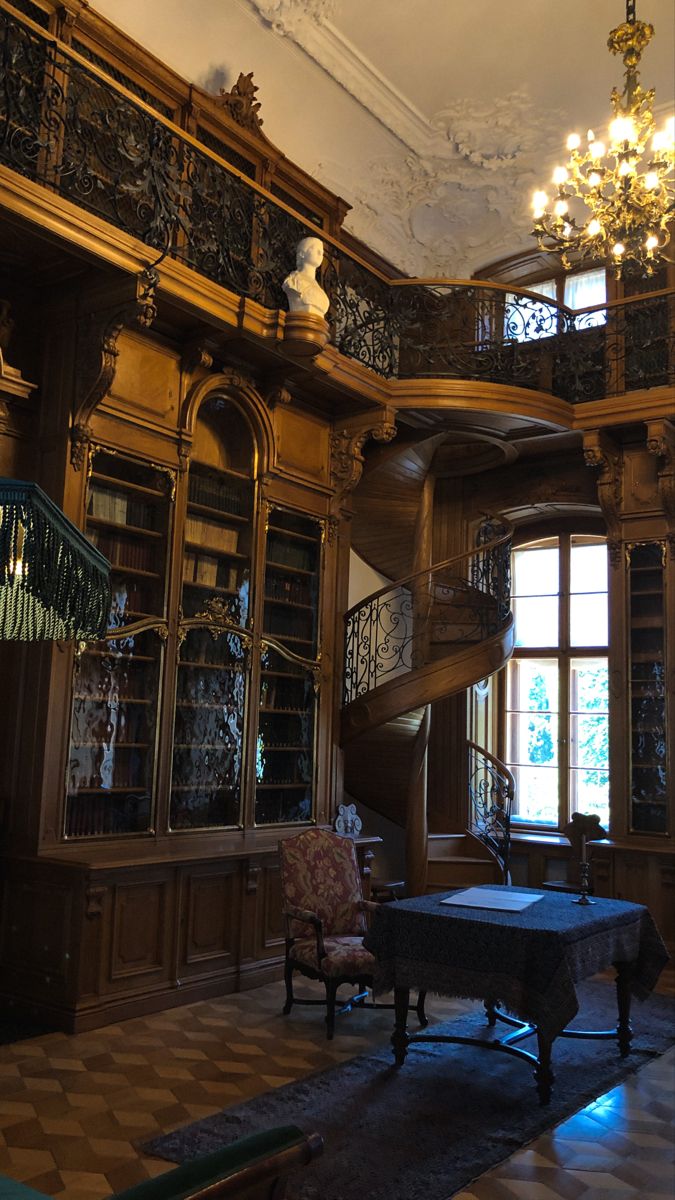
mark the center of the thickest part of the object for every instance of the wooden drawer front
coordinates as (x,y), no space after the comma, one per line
(140,935)
(209,921)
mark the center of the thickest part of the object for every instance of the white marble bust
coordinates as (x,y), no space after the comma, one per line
(303,292)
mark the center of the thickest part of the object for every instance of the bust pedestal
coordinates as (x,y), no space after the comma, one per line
(305,334)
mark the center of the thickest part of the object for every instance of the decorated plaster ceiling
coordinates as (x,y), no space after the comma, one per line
(433,119)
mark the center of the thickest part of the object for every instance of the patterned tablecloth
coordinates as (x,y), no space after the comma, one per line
(528,961)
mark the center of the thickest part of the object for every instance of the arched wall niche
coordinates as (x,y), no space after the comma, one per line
(227,425)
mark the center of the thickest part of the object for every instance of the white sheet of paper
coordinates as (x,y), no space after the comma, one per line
(504,901)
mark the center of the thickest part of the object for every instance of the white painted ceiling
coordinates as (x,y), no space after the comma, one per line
(434,119)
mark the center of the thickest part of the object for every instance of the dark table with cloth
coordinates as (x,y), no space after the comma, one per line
(527,962)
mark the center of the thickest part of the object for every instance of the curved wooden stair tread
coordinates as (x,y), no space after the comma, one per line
(453,672)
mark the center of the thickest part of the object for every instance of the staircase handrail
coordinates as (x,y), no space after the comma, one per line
(448,562)
(387,632)
(490,815)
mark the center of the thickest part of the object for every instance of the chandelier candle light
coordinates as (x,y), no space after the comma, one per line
(626,185)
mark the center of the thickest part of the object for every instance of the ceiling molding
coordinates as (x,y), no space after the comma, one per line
(453,196)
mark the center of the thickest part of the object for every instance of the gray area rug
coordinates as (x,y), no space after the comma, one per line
(450,1113)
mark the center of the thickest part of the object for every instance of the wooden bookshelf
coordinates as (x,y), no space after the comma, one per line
(116,689)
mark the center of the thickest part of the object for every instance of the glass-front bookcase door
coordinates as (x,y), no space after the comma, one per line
(213,666)
(114,725)
(648,700)
(285,747)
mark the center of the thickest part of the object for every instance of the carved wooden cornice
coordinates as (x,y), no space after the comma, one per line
(346,449)
(603,455)
(661,443)
(131,305)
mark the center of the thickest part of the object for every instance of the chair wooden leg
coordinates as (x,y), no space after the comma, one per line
(419,1009)
(331,990)
(288,979)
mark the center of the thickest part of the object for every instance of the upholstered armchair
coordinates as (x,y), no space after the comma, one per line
(325,916)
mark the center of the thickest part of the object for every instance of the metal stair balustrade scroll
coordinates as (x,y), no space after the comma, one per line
(491,793)
(72,128)
(429,615)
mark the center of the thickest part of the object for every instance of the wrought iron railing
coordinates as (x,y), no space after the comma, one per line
(491,795)
(429,615)
(72,128)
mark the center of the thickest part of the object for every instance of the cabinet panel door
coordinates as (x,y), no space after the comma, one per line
(140,936)
(269,923)
(209,920)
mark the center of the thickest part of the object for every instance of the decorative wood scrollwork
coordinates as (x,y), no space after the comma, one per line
(604,456)
(97,350)
(346,448)
(240,103)
(661,443)
(94,897)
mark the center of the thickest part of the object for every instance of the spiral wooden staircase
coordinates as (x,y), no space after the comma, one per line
(431,634)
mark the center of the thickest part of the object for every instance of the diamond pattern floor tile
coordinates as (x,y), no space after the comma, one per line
(74,1109)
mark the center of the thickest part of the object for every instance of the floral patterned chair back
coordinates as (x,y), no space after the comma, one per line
(320,872)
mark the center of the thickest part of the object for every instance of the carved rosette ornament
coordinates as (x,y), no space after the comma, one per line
(604,456)
(346,450)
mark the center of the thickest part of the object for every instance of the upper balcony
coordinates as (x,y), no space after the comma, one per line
(93,164)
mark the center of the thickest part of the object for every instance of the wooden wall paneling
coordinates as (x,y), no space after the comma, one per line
(210,913)
(264,933)
(302,445)
(140,933)
(38,937)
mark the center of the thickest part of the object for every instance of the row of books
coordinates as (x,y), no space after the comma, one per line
(213,572)
(88,816)
(291,554)
(215,492)
(290,622)
(122,552)
(295,591)
(203,532)
(123,510)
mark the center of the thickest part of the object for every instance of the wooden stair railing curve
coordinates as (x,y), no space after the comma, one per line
(427,636)
(434,633)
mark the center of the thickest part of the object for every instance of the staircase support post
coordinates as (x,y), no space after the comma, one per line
(416,848)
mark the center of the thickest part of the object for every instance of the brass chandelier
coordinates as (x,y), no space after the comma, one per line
(625,185)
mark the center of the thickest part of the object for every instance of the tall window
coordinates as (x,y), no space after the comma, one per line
(557,729)
(530,320)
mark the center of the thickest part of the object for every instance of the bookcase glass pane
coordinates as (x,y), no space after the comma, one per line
(217,551)
(111,770)
(112,749)
(285,743)
(211,691)
(292,574)
(648,717)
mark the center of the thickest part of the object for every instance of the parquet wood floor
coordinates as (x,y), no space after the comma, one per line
(74,1108)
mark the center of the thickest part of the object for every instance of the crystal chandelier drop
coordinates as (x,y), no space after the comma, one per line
(625,184)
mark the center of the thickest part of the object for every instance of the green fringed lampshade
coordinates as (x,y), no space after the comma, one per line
(54,585)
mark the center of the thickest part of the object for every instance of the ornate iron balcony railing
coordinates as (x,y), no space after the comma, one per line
(72,128)
(430,615)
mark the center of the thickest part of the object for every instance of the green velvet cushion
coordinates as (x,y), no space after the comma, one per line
(11,1190)
(183,1180)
